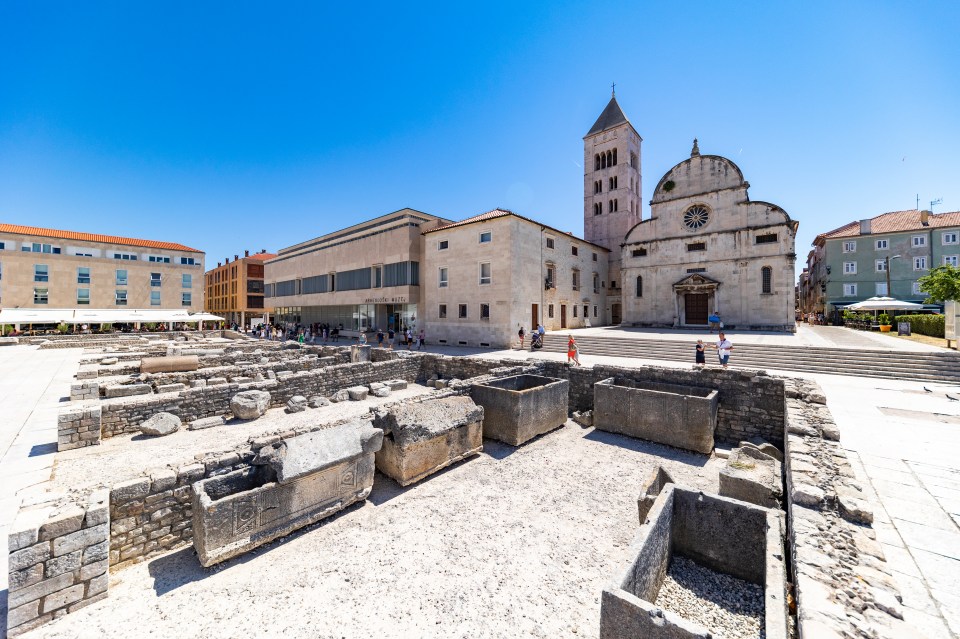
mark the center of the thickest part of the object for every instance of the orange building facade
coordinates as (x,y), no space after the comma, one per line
(235,289)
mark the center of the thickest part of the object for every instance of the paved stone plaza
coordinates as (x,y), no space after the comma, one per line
(563,516)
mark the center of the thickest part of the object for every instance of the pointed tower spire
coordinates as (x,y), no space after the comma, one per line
(696,149)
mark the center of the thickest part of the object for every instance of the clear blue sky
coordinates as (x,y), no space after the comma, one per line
(237,126)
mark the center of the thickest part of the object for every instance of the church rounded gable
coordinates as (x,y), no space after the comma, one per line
(696,175)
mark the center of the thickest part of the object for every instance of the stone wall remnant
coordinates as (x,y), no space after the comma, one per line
(752,476)
(78,426)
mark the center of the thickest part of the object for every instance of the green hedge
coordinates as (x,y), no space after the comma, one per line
(931,325)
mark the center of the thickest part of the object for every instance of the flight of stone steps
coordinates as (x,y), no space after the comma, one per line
(924,367)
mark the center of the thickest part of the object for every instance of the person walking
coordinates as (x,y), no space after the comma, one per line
(521,333)
(573,351)
(715,322)
(379,338)
(409,338)
(421,340)
(724,346)
(701,354)
(391,335)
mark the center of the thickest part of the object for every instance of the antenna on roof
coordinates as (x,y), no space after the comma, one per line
(933,203)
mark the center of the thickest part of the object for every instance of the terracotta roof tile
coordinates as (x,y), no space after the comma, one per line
(261,256)
(895,222)
(93,237)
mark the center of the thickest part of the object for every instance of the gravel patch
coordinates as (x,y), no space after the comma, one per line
(726,606)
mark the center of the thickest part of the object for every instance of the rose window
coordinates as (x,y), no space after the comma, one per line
(696,217)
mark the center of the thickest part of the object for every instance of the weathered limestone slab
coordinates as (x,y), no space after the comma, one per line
(725,535)
(160,424)
(169,364)
(250,404)
(396,384)
(753,477)
(170,388)
(127,390)
(517,409)
(207,422)
(421,438)
(297,482)
(296,404)
(672,414)
(358,393)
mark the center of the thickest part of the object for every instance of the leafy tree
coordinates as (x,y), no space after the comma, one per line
(943,283)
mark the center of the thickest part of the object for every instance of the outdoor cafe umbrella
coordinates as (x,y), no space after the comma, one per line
(884,304)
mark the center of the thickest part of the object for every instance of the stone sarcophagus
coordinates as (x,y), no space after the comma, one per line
(517,409)
(292,484)
(672,414)
(693,542)
(421,438)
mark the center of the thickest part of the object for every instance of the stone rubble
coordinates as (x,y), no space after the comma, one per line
(160,424)
(250,404)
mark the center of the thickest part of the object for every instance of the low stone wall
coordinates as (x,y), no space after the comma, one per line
(59,559)
(751,403)
(843,586)
(78,426)
(125,416)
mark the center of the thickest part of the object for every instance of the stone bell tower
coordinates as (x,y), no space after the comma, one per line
(611,190)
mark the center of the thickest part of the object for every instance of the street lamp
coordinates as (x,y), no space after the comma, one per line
(886,268)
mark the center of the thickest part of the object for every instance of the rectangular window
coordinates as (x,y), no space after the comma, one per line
(697,246)
(186,280)
(594,311)
(484,311)
(83,296)
(919,240)
(40,295)
(186,299)
(83,275)
(551,276)
(849,268)
(882,245)
(574,310)
(594,257)
(377,276)
(442,311)
(550,242)
(696,270)
(154,298)
(550,311)
(161,259)
(768,238)
(881,266)
(443,277)
(188,261)
(849,290)
(485,273)
(154,279)
(920,263)
(916,289)
(121,298)
(575,280)
(485,237)
(40,273)
(849,247)
(596,284)
(949,238)
(462,311)
(640,252)
(443,245)
(951,260)
(575,250)
(125,256)
(880,289)
(121,277)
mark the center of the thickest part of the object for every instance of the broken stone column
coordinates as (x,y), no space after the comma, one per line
(293,483)
(169,364)
(421,438)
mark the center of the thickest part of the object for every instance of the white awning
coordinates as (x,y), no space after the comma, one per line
(100,316)
(884,304)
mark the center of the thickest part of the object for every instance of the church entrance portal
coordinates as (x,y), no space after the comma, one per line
(696,308)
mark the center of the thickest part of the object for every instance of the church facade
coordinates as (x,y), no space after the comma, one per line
(706,248)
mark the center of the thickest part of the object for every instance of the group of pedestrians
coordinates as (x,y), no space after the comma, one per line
(407,338)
